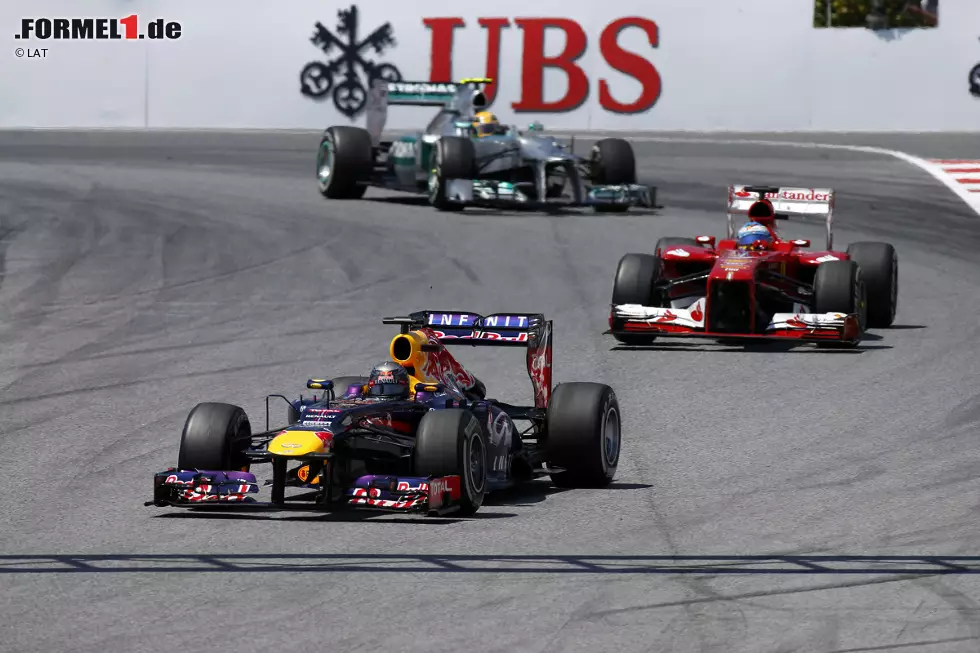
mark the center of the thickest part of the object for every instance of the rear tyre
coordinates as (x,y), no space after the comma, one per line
(635,277)
(215,437)
(451,442)
(583,434)
(344,162)
(613,162)
(838,287)
(453,157)
(879,265)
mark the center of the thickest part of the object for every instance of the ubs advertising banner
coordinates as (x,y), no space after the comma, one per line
(753,65)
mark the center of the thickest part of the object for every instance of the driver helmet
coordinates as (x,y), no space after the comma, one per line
(388,379)
(485,124)
(750,234)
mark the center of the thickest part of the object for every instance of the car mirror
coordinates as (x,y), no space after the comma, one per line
(319,384)
(801,242)
(535,127)
(429,387)
(706,240)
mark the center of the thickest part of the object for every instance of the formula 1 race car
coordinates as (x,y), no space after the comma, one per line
(455,168)
(436,449)
(771,289)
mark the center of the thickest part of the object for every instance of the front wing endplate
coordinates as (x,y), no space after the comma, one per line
(194,488)
(491,193)
(634,319)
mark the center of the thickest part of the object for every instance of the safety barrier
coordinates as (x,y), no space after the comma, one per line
(753,65)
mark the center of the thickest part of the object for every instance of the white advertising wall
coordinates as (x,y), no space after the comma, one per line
(751,65)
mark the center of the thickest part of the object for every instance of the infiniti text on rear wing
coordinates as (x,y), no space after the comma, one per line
(786,202)
(466,328)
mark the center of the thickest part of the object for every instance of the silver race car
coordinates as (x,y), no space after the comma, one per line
(457,165)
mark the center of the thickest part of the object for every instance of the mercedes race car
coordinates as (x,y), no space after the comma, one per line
(456,167)
(436,449)
(768,289)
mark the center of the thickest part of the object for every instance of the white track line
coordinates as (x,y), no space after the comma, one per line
(944,171)
(938,168)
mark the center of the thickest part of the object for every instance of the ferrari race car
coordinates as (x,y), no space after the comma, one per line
(772,289)
(436,450)
(455,168)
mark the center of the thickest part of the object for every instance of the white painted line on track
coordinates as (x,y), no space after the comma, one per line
(938,168)
(943,170)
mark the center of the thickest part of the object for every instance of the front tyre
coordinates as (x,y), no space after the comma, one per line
(344,162)
(584,434)
(635,278)
(451,442)
(879,265)
(453,157)
(613,163)
(215,438)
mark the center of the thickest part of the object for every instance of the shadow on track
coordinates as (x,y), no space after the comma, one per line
(514,211)
(746,349)
(490,563)
(522,495)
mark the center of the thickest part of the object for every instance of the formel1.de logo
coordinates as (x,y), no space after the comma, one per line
(341,74)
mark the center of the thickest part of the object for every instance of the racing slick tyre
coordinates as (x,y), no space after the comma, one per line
(453,157)
(344,163)
(451,442)
(633,284)
(613,163)
(215,437)
(879,265)
(583,435)
(838,287)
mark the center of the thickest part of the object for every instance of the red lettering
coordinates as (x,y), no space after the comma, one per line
(494,26)
(441,63)
(534,63)
(631,64)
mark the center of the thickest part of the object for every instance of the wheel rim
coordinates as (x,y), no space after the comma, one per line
(434,178)
(477,469)
(894,297)
(610,438)
(324,163)
(861,302)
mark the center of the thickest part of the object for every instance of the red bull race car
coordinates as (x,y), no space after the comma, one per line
(756,285)
(419,435)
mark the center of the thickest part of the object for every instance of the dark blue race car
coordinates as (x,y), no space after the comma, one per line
(418,435)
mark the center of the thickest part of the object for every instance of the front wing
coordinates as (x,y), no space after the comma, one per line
(492,193)
(199,488)
(637,320)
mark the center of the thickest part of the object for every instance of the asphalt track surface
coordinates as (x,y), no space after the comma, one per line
(142,274)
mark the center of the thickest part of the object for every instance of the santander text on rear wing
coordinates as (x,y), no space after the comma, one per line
(786,202)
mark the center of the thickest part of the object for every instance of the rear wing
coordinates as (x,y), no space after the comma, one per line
(383,94)
(466,328)
(529,330)
(786,202)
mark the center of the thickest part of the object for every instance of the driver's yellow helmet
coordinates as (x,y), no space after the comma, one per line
(485,124)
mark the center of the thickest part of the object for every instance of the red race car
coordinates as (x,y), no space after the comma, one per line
(754,285)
